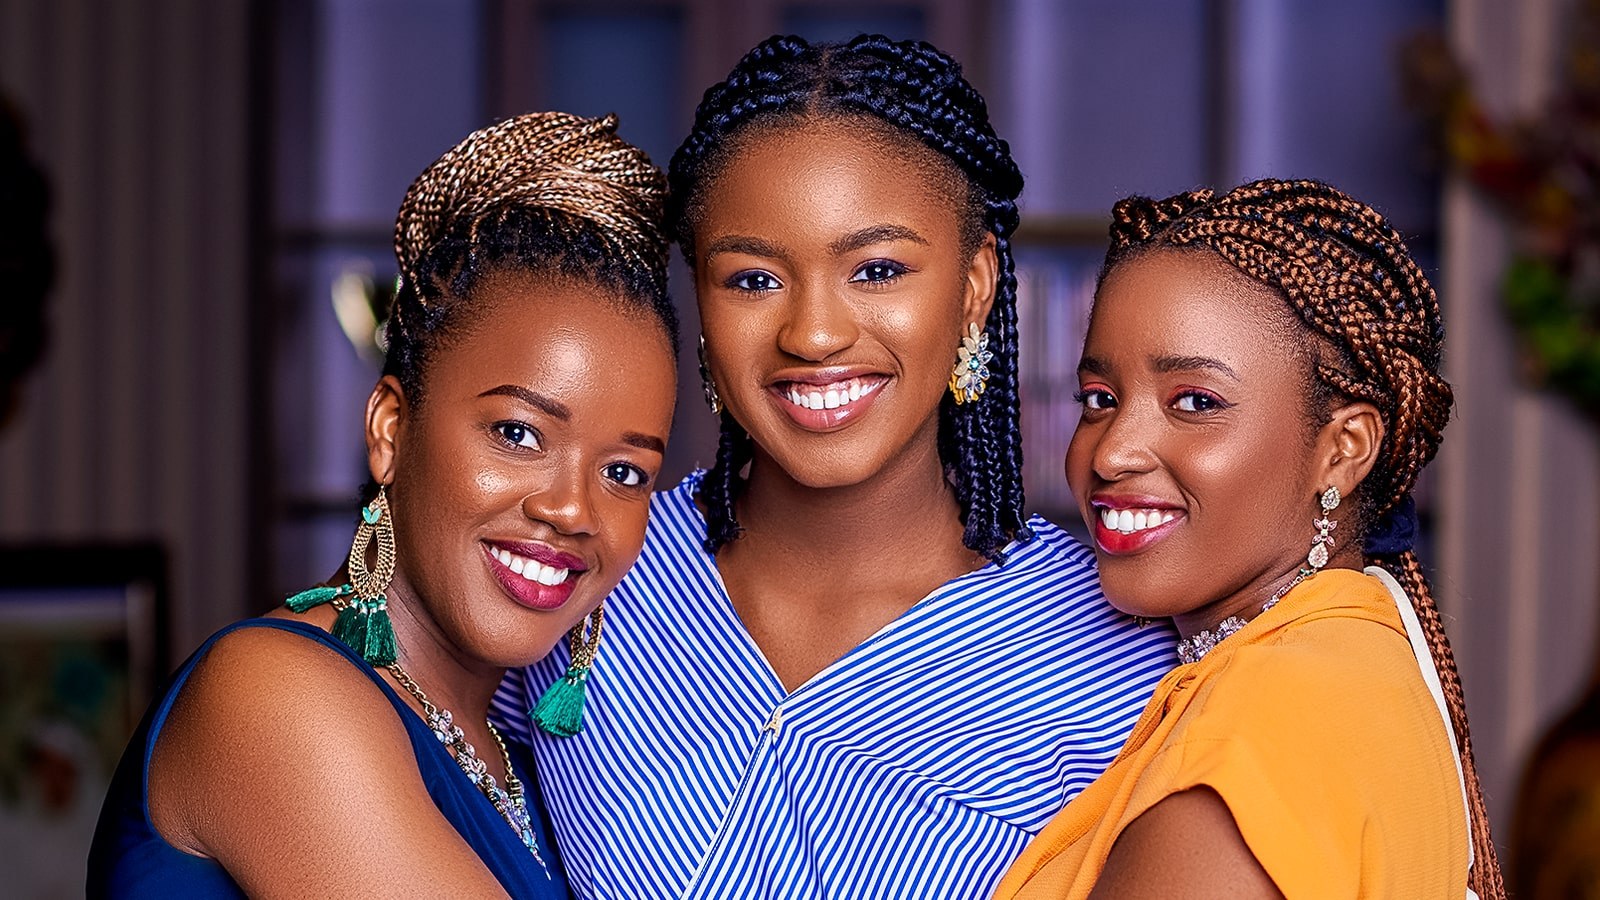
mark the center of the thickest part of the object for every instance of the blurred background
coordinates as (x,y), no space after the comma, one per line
(186,360)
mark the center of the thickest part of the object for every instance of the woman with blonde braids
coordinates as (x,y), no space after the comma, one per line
(340,745)
(1260,387)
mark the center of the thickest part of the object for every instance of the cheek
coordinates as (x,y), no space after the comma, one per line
(622,534)
(1080,458)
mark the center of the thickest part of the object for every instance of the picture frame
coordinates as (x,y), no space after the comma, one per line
(83,648)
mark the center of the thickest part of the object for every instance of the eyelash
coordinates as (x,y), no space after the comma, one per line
(1212,402)
(1082,398)
(644,477)
(1216,404)
(736,280)
(894,270)
(501,429)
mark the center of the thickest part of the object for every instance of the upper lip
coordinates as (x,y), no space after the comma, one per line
(543,553)
(1130,501)
(825,375)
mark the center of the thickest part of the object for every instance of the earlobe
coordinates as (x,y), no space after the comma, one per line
(983,277)
(386,409)
(1352,439)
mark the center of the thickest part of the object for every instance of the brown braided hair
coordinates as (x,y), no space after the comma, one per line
(1346,274)
(546,192)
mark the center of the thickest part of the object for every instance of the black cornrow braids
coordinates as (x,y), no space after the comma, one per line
(1348,278)
(919,92)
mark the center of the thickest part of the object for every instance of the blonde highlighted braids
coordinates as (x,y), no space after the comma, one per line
(547,193)
(1347,276)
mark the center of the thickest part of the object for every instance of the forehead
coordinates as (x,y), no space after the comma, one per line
(1192,303)
(827,163)
(571,339)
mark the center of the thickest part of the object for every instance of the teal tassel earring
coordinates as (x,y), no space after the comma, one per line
(363,620)
(560,710)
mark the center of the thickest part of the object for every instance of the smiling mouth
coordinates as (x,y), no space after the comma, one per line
(1130,521)
(530,569)
(834,395)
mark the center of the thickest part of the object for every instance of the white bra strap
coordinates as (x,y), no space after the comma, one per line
(1430,677)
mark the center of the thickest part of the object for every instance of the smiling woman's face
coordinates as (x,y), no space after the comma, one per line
(1193,463)
(520,486)
(834,287)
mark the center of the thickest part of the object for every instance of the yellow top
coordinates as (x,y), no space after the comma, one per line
(1314,725)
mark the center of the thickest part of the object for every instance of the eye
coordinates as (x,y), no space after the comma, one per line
(756,281)
(879,271)
(626,475)
(517,434)
(1197,402)
(1095,398)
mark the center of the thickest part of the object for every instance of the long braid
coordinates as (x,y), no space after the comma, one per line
(1348,277)
(919,94)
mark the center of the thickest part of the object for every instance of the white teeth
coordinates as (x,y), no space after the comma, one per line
(531,569)
(1128,521)
(834,396)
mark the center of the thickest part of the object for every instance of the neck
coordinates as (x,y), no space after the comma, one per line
(907,507)
(450,677)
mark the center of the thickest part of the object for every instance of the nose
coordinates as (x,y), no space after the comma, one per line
(1124,446)
(564,503)
(817,324)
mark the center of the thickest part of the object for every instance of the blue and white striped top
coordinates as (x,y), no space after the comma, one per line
(916,766)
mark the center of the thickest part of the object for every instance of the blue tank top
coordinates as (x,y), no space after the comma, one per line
(129,858)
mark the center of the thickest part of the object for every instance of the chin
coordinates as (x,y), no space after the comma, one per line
(1130,593)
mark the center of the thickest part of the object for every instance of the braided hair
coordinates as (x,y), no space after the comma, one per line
(1355,289)
(550,193)
(913,91)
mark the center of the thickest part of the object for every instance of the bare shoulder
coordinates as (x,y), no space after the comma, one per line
(276,741)
(266,711)
(1187,846)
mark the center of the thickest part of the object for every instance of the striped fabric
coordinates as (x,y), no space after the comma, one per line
(916,766)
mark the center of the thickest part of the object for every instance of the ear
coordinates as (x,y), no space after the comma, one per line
(983,276)
(386,411)
(1347,447)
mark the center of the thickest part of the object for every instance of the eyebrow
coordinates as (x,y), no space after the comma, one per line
(535,400)
(875,234)
(739,243)
(1169,364)
(645,442)
(560,411)
(1093,365)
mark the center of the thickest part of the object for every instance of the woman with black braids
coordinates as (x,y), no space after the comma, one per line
(1260,387)
(340,745)
(846,664)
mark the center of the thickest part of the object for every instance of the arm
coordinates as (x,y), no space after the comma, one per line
(1186,846)
(291,769)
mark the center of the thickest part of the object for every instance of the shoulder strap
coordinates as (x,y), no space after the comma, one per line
(1430,677)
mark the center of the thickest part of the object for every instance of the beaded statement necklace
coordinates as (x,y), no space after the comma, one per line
(1195,646)
(509,801)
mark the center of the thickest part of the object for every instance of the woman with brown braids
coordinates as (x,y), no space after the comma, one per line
(340,746)
(1260,387)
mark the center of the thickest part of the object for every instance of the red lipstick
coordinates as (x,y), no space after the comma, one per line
(529,592)
(1118,543)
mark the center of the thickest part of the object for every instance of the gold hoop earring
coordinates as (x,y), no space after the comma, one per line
(560,710)
(363,622)
(707,385)
(970,374)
